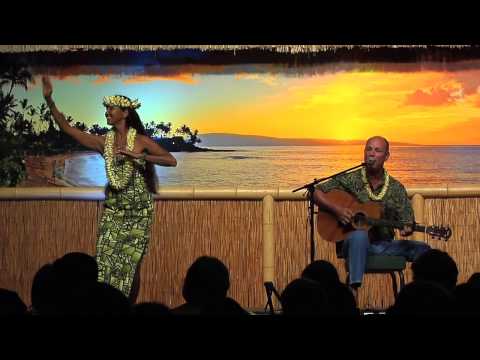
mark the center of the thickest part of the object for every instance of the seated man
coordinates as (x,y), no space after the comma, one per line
(372,182)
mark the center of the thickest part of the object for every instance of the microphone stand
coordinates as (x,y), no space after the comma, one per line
(269,288)
(310,187)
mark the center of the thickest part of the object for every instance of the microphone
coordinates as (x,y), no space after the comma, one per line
(370,161)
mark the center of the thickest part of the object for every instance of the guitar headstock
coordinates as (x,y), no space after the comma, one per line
(439,232)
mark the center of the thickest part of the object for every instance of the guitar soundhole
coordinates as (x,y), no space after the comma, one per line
(359,220)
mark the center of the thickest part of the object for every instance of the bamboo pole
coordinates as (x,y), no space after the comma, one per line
(268,239)
(418,205)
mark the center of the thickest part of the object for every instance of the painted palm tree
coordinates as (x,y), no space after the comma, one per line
(81,126)
(12,126)
(151,129)
(194,139)
(183,130)
(16,75)
(98,130)
(7,105)
(164,128)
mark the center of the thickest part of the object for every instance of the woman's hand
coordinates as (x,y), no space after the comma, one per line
(47,87)
(129,153)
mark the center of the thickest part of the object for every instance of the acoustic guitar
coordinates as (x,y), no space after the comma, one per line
(365,216)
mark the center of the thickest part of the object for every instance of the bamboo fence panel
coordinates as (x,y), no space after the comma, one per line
(39,225)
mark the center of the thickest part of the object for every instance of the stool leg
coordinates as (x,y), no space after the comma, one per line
(394,284)
(402,280)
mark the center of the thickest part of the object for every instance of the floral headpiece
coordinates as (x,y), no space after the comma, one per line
(121,101)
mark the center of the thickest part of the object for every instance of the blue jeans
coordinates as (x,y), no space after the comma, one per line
(357,247)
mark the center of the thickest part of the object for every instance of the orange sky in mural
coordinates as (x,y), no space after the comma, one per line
(404,105)
(419,107)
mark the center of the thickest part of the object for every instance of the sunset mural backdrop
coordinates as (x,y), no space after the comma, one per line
(275,118)
(434,107)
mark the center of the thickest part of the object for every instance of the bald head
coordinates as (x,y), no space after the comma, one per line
(376,152)
(387,145)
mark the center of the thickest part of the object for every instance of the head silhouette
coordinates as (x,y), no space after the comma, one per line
(207,281)
(76,267)
(467,299)
(97,299)
(422,298)
(304,297)
(436,266)
(10,304)
(45,292)
(474,280)
(151,310)
(323,272)
(342,302)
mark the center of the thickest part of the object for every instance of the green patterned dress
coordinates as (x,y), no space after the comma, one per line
(124,229)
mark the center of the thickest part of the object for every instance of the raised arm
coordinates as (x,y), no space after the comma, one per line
(90,141)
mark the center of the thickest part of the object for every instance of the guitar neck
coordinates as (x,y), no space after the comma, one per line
(397,224)
(435,231)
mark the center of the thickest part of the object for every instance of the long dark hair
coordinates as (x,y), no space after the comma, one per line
(133,120)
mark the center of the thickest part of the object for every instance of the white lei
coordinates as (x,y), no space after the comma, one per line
(117,178)
(382,193)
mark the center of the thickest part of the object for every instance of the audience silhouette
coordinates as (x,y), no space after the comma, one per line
(69,287)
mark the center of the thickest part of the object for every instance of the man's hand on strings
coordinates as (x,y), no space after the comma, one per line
(344,215)
(406,231)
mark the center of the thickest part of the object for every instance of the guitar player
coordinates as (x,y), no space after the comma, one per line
(371,183)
